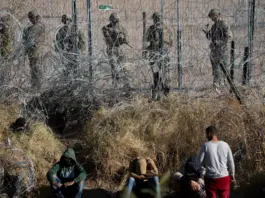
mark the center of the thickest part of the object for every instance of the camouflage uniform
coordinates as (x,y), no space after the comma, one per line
(65,46)
(33,38)
(159,54)
(62,33)
(5,47)
(115,36)
(220,35)
(5,38)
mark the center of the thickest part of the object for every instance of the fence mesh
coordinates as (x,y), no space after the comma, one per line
(197,69)
(197,72)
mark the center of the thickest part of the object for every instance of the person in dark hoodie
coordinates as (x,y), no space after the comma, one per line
(192,181)
(67,177)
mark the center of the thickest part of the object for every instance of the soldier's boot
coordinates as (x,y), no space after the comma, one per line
(165,89)
(216,86)
(35,79)
(114,75)
(216,80)
(126,83)
(127,88)
(155,86)
(35,73)
(165,84)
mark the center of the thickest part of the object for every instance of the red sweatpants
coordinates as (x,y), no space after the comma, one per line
(220,186)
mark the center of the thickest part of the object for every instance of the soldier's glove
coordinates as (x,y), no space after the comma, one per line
(124,41)
(121,41)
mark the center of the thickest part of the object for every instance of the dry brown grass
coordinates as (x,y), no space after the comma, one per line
(170,130)
(38,143)
(42,148)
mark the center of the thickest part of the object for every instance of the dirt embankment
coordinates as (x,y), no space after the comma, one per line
(169,131)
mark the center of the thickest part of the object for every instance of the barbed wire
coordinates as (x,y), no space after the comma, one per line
(195,62)
(17,174)
(195,47)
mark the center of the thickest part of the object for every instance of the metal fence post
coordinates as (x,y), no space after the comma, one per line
(245,79)
(144,54)
(251,25)
(232,60)
(162,14)
(179,46)
(74,37)
(74,16)
(162,31)
(90,52)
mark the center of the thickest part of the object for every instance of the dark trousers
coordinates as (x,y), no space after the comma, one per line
(74,191)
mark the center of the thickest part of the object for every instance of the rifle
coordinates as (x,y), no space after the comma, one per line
(126,42)
(206,31)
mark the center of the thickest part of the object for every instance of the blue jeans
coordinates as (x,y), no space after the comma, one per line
(133,184)
(74,191)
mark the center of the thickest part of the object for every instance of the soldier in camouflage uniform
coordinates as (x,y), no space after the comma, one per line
(33,38)
(62,33)
(5,47)
(115,36)
(65,39)
(159,54)
(219,35)
(5,37)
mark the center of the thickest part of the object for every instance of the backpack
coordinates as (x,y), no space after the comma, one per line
(167,36)
(154,35)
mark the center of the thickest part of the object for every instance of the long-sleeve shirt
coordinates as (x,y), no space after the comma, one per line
(218,159)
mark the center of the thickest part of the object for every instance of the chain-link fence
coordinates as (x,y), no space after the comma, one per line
(193,18)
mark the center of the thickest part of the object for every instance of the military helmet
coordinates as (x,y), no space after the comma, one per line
(65,17)
(156,15)
(114,17)
(33,13)
(214,12)
(5,18)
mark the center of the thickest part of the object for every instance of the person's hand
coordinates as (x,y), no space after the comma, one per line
(234,184)
(69,183)
(195,186)
(233,178)
(141,177)
(59,185)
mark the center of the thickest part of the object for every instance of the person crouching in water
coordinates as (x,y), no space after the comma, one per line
(67,177)
(143,174)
